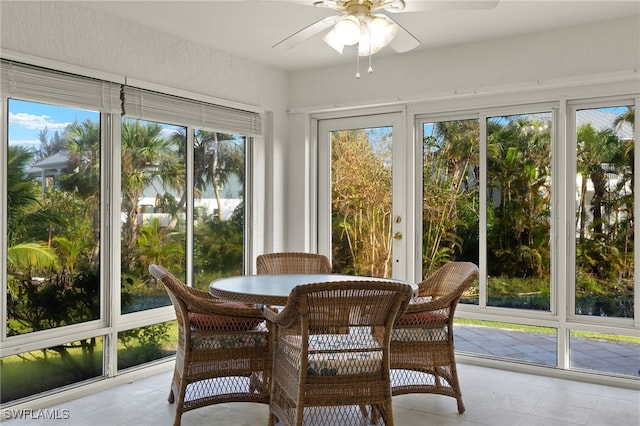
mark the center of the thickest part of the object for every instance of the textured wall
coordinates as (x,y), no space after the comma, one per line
(570,53)
(70,33)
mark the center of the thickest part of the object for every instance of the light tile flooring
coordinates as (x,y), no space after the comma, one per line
(491,396)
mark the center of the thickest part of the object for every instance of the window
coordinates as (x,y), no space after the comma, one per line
(604,211)
(539,300)
(53,232)
(519,194)
(153,197)
(450,195)
(87,178)
(219,197)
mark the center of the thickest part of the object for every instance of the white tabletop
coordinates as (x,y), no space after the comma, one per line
(275,289)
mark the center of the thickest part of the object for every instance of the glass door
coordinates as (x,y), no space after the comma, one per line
(364,168)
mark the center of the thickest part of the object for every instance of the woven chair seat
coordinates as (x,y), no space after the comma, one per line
(229,341)
(326,356)
(418,335)
(422,319)
(210,322)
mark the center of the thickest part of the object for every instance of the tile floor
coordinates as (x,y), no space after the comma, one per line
(491,396)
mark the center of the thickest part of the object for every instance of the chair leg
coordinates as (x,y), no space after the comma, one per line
(456,389)
(177,420)
(386,413)
(171,397)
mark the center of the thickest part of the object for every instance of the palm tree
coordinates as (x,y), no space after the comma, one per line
(450,161)
(625,158)
(217,157)
(24,210)
(146,155)
(629,116)
(595,148)
(82,140)
(518,171)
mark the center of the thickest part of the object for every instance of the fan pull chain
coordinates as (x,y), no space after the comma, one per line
(370,70)
(357,65)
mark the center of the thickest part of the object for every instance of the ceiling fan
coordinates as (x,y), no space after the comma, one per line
(367,24)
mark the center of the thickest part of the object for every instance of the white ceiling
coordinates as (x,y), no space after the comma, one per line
(249,28)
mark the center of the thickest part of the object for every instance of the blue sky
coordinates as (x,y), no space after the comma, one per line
(27,119)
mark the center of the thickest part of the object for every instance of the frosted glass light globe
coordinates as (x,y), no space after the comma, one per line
(348,30)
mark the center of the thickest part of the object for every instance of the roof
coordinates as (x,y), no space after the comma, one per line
(602,120)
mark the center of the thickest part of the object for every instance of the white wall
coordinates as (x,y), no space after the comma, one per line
(600,48)
(69,33)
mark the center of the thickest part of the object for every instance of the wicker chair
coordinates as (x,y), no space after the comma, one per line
(326,378)
(422,350)
(224,349)
(293,263)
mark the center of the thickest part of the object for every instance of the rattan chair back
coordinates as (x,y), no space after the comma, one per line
(223,352)
(422,345)
(335,378)
(292,263)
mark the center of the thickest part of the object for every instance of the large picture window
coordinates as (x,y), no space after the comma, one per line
(492,194)
(53,216)
(94,168)
(153,194)
(604,211)
(519,195)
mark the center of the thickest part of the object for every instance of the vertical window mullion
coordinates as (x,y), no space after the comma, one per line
(111,127)
(482,277)
(189,206)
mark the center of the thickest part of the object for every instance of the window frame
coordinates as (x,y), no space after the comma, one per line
(111,321)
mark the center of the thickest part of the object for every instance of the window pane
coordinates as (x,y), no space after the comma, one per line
(153,210)
(604,212)
(219,170)
(451,197)
(30,373)
(361,201)
(53,217)
(146,344)
(519,211)
(605,352)
(537,345)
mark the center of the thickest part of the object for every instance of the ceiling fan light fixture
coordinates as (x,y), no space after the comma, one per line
(332,39)
(366,47)
(376,33)
(348,30)
(382,30)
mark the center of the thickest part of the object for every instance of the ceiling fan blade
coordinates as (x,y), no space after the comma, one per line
(307,32)
(404,40)
(431,5)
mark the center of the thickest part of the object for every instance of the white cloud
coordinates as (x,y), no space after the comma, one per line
(35,122)
(28,143)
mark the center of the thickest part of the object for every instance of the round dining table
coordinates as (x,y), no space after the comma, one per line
(274,290)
